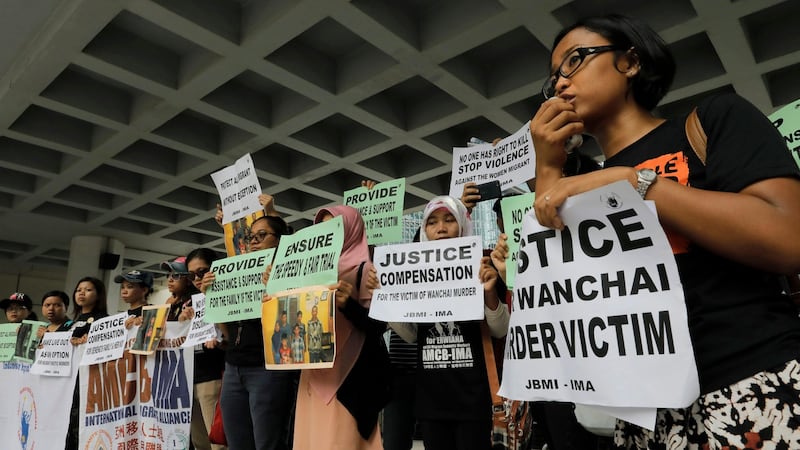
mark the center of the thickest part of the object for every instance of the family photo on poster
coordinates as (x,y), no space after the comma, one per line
(298,329)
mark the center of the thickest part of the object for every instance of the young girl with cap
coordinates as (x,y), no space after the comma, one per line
(179,286)
(135,287)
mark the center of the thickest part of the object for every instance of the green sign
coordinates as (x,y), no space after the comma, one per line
(238,287)
(309,257)
(787,121)
(382,210)
(514,208)
(27,340)
(8,340)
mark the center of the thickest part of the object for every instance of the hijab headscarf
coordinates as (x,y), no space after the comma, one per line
(454,207)
(349,339)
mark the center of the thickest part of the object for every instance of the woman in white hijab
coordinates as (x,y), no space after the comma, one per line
(463,421)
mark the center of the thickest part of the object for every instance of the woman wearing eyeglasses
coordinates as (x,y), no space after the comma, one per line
(256,403)
(731,219)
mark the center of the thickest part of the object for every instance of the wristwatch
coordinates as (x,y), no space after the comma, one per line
(645,179)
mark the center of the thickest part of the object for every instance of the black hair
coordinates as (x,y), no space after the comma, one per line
(206,254)
(60,294)
(101,305)
(656,63)
(278,225)
(579,163)
(497,206)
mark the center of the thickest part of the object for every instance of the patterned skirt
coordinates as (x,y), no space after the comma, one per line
(759,412)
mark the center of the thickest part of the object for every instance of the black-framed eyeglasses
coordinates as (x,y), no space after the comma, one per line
(175,276)
(259,236)
(570,64)
(199,273)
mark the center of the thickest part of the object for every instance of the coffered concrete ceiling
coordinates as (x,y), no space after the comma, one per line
(113,113)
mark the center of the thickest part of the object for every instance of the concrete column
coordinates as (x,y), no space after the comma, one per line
(84,261)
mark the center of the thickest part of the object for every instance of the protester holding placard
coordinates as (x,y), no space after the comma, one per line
(54,308)
(208,362)
(135,287)
(90,304)
(179,285)
(338,407)
(256,403)
(731,219)
(89,297)
(18,307)
(453,403)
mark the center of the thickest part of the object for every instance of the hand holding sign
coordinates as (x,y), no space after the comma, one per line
(551,195)
(500,254)
(343,292)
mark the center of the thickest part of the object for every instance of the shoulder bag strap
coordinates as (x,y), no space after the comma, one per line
(491,369)
(696,135)
(359,274)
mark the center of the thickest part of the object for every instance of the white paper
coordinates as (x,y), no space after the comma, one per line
(598,312)
(512,162)
(199,331)
(434,281)
(54,356)
(106,340)
(238,188)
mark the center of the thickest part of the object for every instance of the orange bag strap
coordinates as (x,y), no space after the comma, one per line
(491,368)
(696,135)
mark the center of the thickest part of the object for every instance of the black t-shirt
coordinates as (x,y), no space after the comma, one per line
(136,312)
(452,383)
(84,321)
(739,320)
(245,343)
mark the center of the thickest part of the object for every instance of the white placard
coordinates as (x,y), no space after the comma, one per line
(429,281)
(598,315)
(238,188)
(512,162)
(200,332)
(106,340)
(54,355)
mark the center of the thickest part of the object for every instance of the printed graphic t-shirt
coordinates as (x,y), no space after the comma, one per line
(451,374)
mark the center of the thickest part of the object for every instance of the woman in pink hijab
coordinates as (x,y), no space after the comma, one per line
(338,408)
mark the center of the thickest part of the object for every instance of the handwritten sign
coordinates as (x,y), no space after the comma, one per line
(238,188)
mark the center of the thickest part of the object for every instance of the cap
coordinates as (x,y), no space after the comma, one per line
(17,297)
(134,276)
(177,266)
